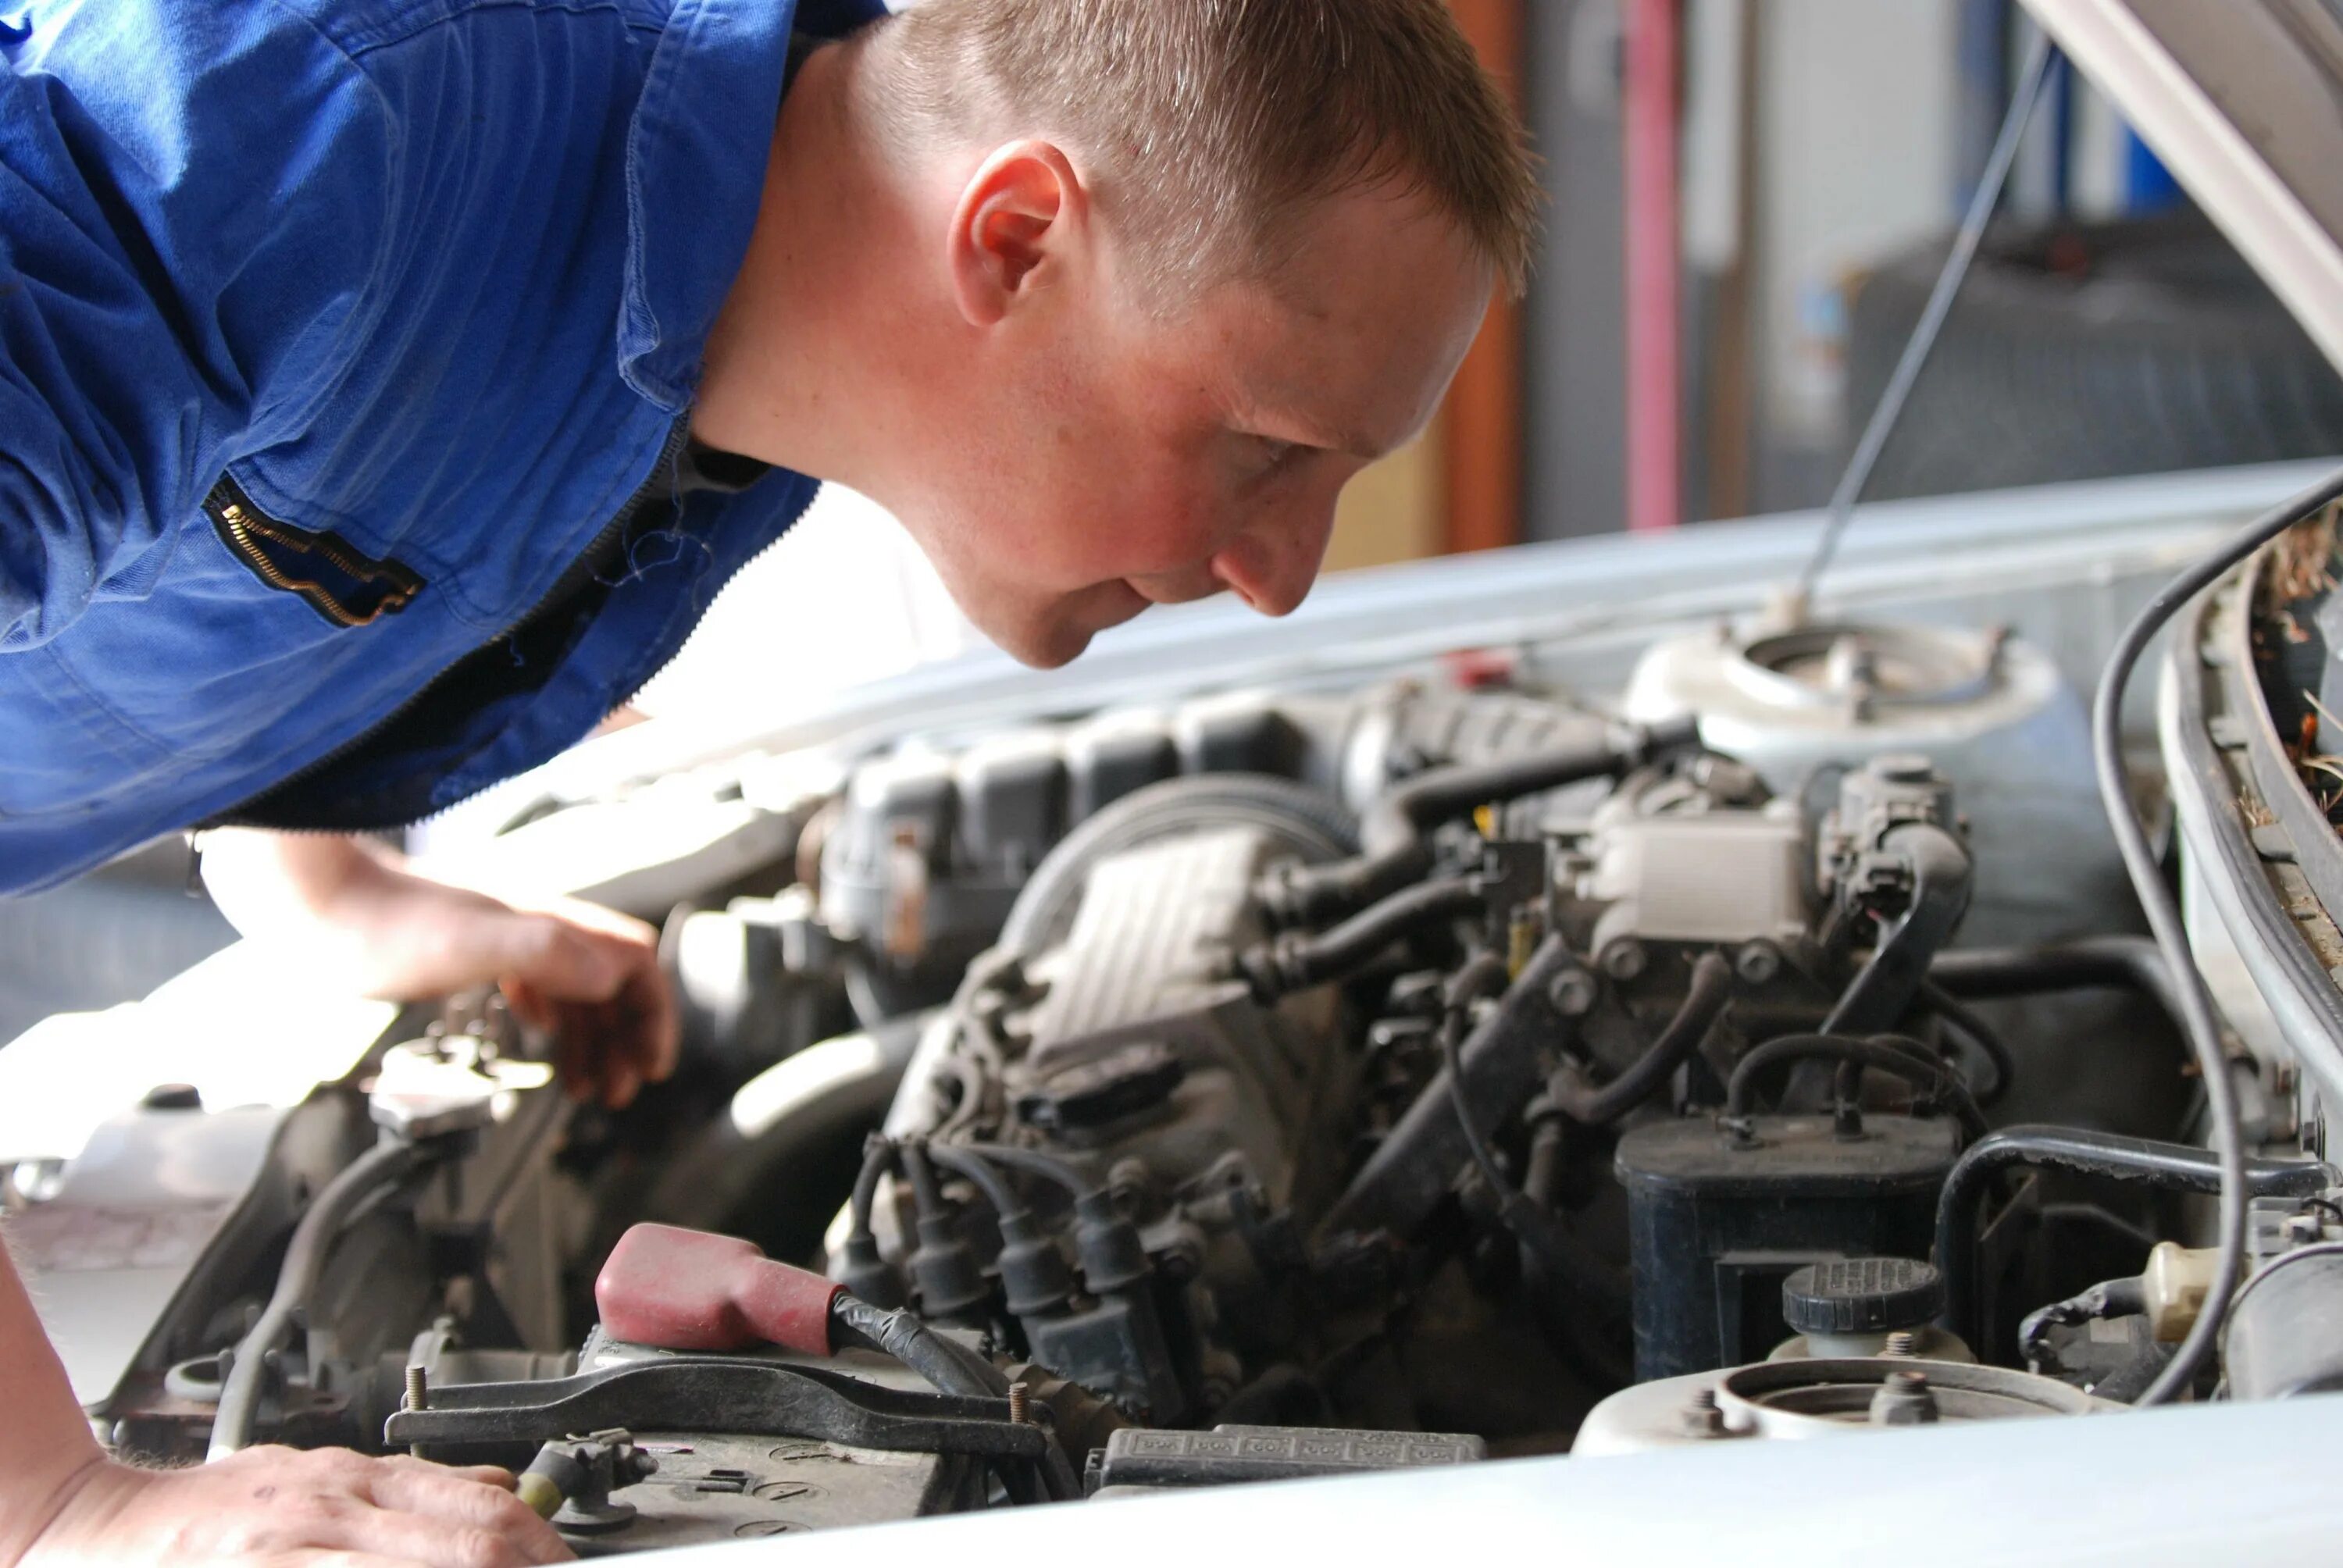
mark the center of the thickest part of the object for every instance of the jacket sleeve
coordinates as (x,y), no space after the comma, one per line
(192,202)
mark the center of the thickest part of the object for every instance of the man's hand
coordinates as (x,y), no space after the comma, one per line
(283,1507)
(344,909)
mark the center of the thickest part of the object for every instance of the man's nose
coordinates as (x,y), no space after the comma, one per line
(1272,568)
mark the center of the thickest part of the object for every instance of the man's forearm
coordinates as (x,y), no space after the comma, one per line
(45,1445)
(273,884)
(351,913)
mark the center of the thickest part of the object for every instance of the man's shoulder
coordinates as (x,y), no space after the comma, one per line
(361,29)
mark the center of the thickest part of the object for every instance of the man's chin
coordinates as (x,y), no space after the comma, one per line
(1042,645)
(1053,652)
(1058,641)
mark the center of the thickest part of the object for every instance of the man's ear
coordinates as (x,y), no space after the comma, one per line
(1016,225)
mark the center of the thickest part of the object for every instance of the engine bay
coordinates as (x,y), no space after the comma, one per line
(1286,1082)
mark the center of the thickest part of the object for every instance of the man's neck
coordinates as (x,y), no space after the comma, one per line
(791,375)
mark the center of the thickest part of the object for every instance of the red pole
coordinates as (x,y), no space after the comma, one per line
(1654,394)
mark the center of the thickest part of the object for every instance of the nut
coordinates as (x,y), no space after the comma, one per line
(1757,963)
(1573,993)
(1624,960)
(1904,1400)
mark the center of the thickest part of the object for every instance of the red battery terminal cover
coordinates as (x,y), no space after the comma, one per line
(682,1289)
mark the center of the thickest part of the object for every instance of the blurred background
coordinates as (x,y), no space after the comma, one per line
(1750,200)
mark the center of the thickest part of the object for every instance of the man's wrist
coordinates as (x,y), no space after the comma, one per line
(32,1503)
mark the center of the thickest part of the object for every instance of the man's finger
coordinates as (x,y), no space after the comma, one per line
(530,1005)
(495,1475)
(469,1521)
(620,1080)
(663,1029)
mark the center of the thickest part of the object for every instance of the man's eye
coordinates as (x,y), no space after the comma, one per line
(1273,455)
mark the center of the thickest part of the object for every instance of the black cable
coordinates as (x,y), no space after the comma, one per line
(1703,1004)
(900,1333)
(1963,1020)
(2031,79)
(1049,1167)
(384,1166)
(2203,1030)
(2124,1298)
(1485,973)
(878,1157)
(952,1370)
(927,1197)
(963,1162)
(1906,1059)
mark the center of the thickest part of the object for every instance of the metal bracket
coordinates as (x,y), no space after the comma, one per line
(720,1395)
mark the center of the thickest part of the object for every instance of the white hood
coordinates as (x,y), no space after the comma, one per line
(2243,100)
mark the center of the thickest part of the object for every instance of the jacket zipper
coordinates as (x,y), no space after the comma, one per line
(234,514)
(567,583)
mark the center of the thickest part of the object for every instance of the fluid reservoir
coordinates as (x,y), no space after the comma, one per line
(1717,1218)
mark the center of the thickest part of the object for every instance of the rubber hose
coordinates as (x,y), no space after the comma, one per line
(2178,1166)
(384,1165)
(1703,1004)
(1905,1058)
(1396,847)
(2132,963)
(1294,963)
(1962,1021)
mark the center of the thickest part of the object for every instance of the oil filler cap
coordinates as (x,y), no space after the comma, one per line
(1862,1296)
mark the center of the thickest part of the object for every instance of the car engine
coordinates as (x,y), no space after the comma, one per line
(1278,1084)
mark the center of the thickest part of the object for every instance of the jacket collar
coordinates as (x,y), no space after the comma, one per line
(696,156)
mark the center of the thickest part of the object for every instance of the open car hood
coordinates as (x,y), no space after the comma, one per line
(2243,100)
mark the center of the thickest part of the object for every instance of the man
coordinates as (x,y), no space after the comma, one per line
(386,384)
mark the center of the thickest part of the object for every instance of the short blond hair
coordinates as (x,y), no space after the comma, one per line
(1210,125)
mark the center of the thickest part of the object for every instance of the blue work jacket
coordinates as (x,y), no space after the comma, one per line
(335,336)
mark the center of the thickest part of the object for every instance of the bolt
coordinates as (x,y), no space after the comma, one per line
(1624,959)
(1902,1342)
(418,1397)
(1757,963)
(1018,1397)
(1573,993)
(1701,1416)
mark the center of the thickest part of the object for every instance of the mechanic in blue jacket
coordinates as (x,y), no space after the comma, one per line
(386,386)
